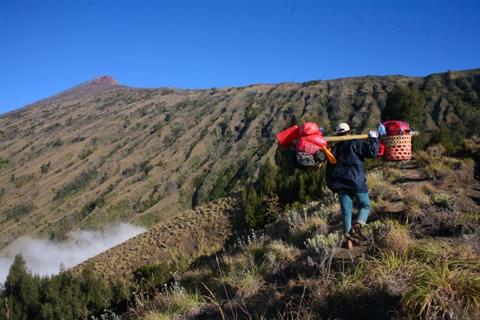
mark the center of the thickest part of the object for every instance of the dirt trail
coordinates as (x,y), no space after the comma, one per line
(441,199)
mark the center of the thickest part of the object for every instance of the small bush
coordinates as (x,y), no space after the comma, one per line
(77,184)
(245,282)
(55,143)
(85,153)
(4,163)
(45,167)
(406,104)
(321,243)
(153,275)
(442,200)
(450,137)
(23,180)
(177,300)
(469,221)
(278,254)
(143,167)
(310,220)
(18,211)
(381,188)
(437,169)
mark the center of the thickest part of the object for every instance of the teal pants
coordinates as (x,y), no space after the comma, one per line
(346,204)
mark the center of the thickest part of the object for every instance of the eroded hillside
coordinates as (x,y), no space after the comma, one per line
(104,152)
(173,243)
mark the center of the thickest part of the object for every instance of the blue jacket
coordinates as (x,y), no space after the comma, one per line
(349,172)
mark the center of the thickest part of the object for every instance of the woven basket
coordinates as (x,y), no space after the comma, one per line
(398,148)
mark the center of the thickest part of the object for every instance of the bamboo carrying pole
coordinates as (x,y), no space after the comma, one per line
(356,137)
(347,138)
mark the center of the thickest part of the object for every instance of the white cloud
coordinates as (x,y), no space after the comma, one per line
(44,257)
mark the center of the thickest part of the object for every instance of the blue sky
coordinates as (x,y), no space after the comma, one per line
(48,46)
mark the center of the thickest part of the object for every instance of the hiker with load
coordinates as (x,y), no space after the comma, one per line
(347,178)
(345,169)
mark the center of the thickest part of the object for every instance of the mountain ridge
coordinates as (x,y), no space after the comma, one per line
(116,83)
(142,155)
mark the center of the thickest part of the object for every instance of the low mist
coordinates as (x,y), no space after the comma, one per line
(44,257)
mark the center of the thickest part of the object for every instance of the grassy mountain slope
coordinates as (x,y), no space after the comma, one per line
(419,260)
(89,157)
(174,243)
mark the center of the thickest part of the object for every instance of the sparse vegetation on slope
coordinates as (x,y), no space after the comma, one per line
(411,266)
(195,145)
(159,151)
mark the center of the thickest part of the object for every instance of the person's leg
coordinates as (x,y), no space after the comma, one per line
(346,204)
(364,207)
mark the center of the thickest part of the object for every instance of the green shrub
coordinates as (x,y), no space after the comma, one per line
(156,127)
(55,143)
(406,104)
(85,153)
(18,211)
(4,163)
(153,275)
(142,167)
(91,205)
(77,184)
(282,179)
(45,167)
(442,200)
(450,137)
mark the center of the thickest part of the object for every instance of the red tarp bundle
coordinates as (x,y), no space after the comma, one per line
(287,136)
(310,138)
(396,128)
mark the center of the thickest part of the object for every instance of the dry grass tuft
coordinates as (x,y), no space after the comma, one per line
(433,251)
(351,281)
(391,174)
(442,292)
(245,282)
(432,154)
(446,284)
(394,270)
(436,169)
(415,199)
(278,254)
(381,188)
(435,280)
(397,238)
(153,315)
(309,222)
(469,220)
(168,303)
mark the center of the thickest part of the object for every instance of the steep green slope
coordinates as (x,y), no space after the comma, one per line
(93,156)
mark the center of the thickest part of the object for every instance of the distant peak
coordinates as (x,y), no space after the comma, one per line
(104,80)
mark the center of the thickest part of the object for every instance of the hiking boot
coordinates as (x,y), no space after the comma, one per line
(347,244)
(350,242)
(356,232)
